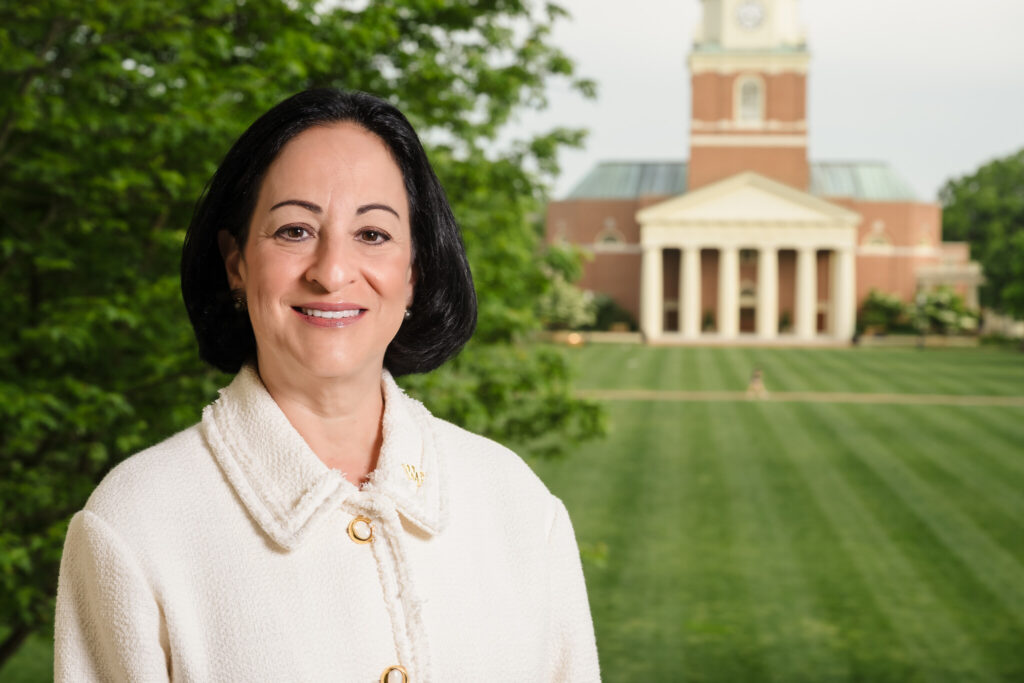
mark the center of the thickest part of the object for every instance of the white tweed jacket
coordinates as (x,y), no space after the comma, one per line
(229,552)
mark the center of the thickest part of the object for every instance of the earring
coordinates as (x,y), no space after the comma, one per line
(408,313)
(238,299)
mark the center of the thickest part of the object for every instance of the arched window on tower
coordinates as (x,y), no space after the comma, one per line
(749,100)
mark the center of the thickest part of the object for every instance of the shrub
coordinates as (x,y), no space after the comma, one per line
(882,313)
(942,311)
(609,314)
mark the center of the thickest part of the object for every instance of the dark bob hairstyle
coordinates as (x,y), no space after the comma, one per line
(443,312)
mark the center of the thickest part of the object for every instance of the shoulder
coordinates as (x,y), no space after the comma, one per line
(490,469)
(157,483)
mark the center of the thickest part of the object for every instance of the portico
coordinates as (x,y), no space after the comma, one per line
(747,258)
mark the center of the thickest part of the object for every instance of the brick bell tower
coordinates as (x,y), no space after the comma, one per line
(749,89)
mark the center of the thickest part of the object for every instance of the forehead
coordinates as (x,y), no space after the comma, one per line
(324,159)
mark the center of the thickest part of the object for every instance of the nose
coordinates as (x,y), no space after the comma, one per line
(331,267)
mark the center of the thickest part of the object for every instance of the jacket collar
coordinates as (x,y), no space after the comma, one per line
(287,489)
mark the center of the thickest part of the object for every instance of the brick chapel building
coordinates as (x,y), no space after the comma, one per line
(749,239)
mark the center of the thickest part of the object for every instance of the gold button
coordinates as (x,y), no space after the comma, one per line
(360,530)
(395,674)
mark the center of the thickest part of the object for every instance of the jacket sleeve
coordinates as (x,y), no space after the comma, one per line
(108,623)
(575,649)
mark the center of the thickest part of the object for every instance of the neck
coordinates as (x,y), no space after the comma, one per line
(340,419)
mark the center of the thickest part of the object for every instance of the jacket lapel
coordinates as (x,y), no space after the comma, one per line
(409,468)
(287,489)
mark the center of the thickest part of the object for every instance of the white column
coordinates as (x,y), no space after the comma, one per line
(691,293)
(679,293)
(806,293)
(844,297)
(728,292)
(768,292)
(651,305)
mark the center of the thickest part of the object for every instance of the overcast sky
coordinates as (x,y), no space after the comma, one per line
(934,87)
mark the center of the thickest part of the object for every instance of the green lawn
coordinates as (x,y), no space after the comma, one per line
(795,541)
(803,541)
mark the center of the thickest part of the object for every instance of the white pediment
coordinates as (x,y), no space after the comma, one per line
(745,199)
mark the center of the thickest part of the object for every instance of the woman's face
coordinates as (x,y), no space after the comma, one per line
(327,268)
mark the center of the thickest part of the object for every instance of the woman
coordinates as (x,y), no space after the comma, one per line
(318,524)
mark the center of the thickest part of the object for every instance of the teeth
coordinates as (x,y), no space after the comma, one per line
(317,313)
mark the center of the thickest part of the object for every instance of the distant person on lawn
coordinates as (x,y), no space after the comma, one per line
(756,388)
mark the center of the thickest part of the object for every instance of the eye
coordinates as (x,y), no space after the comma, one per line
(371,236)
(293,233)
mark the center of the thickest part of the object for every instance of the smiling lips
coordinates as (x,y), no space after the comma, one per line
(330,315)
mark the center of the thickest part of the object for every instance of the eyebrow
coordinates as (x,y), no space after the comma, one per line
(308,206)
(371,207)
(315,208)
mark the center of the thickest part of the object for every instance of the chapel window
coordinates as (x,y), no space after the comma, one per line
(751,100)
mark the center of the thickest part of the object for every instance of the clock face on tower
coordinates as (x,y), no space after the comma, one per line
(750,14)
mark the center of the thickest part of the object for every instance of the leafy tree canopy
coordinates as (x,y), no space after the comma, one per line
(114,113)
(987,210)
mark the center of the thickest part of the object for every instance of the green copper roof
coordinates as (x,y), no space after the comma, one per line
(871,181)
(630,179)
(867,181)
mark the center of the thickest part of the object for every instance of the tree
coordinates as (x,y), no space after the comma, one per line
(987,210)
(115,113)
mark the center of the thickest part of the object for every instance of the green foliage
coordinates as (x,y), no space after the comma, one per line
(938,311)
(942,311)
(883,313)
(987,210)
(112,117)
(565,306)
(609,314)
(707,321)
(785,321)
(523,395)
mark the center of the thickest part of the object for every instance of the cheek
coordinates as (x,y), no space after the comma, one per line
(392,277)
(266,284)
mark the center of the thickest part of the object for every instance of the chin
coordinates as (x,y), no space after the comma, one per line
(338,364)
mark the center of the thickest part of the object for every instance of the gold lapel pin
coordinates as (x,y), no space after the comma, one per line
(414,474)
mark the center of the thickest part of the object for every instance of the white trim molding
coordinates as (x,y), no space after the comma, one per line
(745,140)
(728,125)
(764,62)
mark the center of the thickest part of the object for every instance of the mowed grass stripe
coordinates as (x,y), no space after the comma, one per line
(912,611)
(985,615)
(780,601)
(782,373)
(664,546)
(802,397)
(716,630)
(932,648)
(635,633)
(911,371)
(830,375)
(947,460)
(994,567)
(1002,433)
(750,623)
(704,372)
(987,642)
(864,640)
(990,371)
